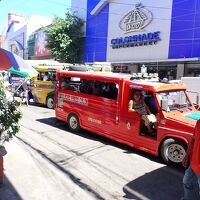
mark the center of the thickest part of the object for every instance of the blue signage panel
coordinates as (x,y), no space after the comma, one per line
(96,33)
(184,34)
(136,40)
(185,29)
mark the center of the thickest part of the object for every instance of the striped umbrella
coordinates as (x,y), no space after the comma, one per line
(9,59)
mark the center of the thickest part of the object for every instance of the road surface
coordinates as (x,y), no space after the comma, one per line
(46,161)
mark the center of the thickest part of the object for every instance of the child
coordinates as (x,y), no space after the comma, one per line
(24,97)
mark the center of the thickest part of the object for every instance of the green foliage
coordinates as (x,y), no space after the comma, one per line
(9,117)
(65,38)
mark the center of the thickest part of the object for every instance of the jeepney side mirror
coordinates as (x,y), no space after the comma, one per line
(164,105)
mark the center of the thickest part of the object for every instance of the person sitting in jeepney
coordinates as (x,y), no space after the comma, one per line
(65,83)
(85,86)
(97,88)
(138,105)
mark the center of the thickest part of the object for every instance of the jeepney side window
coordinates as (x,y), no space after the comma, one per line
(85,86)
(65,83)
(110,90)
(51,76)
(46,76)
(40,76)
(70,83)
(75,83)
(99,88)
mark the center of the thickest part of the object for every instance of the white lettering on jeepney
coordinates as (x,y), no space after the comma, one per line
(74,99)
(94,120)
(60,95)
(60,100)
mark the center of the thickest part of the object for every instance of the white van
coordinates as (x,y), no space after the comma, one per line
(193,88)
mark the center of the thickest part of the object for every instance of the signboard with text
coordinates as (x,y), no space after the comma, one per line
(128,31)
(137,32)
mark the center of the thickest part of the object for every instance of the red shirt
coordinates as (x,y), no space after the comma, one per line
(195,159)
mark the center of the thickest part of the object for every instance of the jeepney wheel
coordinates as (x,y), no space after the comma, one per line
(73,123)
(173,151)
(50,102)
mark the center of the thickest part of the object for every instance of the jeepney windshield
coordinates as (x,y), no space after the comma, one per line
(174,100)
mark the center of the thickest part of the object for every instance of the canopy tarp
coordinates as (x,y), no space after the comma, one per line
(9,59)
(19,73)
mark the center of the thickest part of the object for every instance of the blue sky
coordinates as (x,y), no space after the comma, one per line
(48,8)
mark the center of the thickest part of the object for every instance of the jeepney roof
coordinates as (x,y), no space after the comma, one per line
(93,74)
(158,86)
(47,68)
(151,84)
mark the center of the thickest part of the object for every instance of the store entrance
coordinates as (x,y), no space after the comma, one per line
(168,72)
(194,72)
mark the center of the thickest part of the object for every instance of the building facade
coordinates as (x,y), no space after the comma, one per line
(164,35)
(2,39)
(19,30)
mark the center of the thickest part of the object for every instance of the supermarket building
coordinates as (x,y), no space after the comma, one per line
(164,35)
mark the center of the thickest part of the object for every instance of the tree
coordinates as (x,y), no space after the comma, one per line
(9,117)
(65,38)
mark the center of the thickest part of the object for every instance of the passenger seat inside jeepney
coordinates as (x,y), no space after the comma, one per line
(151,103)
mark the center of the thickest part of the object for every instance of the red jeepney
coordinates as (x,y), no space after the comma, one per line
(98,102)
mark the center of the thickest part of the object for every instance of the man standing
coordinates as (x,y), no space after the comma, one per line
(192,174)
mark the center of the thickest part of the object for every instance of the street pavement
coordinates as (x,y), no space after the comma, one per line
(46,161)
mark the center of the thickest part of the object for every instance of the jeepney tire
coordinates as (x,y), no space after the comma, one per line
(50,102)
(173,151)
(73,123)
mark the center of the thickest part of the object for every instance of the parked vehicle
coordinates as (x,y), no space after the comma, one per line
(43,86)
(193,88)
(82,102)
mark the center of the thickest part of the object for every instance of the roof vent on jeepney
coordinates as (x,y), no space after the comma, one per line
(144,77)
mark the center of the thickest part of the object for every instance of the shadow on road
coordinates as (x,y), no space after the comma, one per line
(161,184)
(156,185)
(72,177)
(8,191)
(52,121)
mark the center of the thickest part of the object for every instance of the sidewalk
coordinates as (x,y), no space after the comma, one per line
(23,180)
(28,176)
(7,191)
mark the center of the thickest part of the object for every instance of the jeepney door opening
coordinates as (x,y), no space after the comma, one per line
(149,100)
